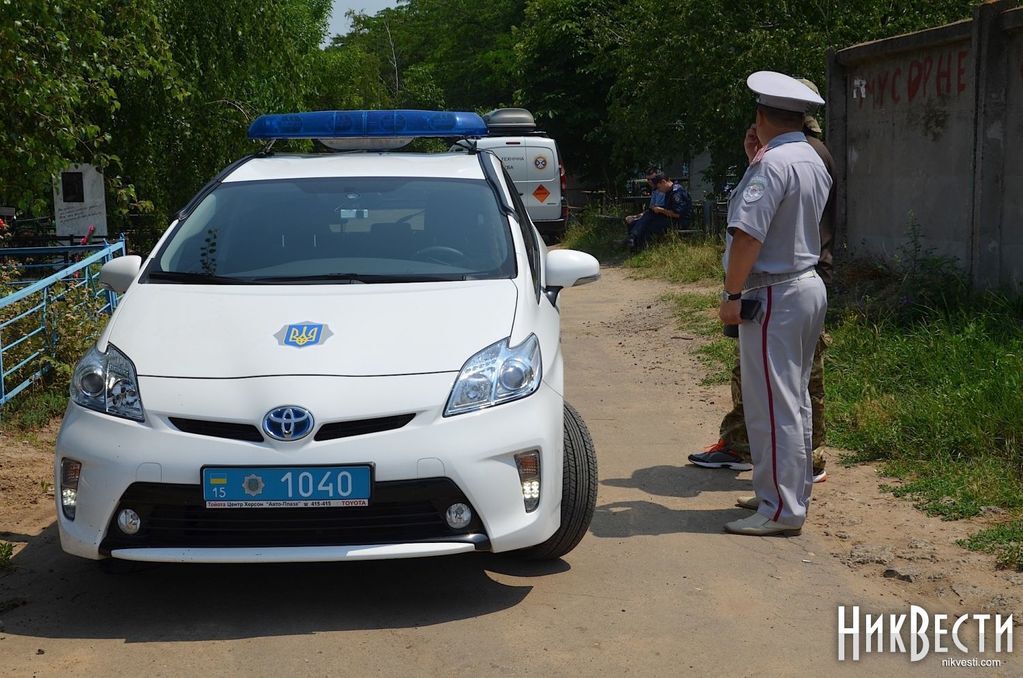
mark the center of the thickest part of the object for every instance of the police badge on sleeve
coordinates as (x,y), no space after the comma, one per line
(755,189)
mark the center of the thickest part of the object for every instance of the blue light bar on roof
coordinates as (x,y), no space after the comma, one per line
(342,124)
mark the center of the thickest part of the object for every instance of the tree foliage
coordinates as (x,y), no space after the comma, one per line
(621,83)
(159,92)
(62,65)
(459,52)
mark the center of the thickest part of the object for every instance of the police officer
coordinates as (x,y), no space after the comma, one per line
(770,257)
(732,449)
(656,219)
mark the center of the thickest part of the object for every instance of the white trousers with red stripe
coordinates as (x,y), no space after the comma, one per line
(776,354)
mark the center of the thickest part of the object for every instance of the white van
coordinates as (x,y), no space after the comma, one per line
(534,164)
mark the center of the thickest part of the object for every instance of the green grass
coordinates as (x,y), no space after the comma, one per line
(696,312)
(671,257)
(597,237)
(34,407)
(6,553)
(926,377)
(931,387)
(1004,541)
(680,260)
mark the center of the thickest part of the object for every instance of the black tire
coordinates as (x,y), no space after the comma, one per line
(579,491)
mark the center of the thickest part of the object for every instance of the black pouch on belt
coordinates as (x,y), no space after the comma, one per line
(749,310)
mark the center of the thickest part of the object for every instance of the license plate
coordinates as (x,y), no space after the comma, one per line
(286,486)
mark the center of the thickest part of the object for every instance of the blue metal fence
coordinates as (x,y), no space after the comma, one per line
(41,295)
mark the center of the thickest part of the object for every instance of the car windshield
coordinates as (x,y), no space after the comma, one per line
(343,230)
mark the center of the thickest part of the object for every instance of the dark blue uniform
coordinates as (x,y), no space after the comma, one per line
(652,223)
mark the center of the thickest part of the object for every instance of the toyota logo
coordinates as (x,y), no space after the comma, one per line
(289,422)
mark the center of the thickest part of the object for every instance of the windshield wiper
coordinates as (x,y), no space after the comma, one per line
(368,278)
(196,278)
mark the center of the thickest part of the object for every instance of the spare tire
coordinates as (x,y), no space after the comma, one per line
(578,493)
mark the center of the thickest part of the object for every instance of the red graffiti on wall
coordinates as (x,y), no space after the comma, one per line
(929,76)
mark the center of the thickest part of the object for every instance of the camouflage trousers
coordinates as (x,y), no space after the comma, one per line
(733,426)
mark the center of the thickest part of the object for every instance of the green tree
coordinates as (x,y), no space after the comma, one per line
(236,60)
(460,53)
(564,77)
(64,65)
(347,78)
(680,80)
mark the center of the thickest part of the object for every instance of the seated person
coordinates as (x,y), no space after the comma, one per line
(656,197)
(655,220)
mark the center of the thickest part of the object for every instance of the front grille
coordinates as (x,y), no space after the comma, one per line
(218,429)
(345,429)
(400,511)
(332,431)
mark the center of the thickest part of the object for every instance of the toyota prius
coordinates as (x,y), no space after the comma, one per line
(347,354)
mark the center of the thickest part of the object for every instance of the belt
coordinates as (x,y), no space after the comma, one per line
(757,280)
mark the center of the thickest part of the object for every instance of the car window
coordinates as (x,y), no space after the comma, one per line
(373,229)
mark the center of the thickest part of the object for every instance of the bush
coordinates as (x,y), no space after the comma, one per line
(60,332)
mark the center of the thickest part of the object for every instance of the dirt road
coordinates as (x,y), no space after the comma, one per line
(656,589)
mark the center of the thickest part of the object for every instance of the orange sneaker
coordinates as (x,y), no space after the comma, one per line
(720,455)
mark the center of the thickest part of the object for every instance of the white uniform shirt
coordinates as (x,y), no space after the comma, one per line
(779,202)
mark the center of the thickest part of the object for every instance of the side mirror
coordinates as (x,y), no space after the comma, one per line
(117,274)
(568,268)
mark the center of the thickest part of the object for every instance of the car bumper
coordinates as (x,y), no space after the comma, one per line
(429,461)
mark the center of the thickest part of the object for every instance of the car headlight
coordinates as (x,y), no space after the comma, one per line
(498,374)
(106,382)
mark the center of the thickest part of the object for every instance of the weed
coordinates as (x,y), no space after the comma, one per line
(671,256)
(931,389)
(36,406)
(1005,541)
(696,312)
(596,235)
(681,260)
(6,553)
(719,357)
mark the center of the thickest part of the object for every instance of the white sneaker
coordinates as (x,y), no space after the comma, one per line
(759,526)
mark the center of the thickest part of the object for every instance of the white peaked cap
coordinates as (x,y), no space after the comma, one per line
(778,90)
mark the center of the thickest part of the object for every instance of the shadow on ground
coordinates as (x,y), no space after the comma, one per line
(682,481)
(54,595)
(632,518)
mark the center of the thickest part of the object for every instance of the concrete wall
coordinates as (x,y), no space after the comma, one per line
(921,126)
(1012,205)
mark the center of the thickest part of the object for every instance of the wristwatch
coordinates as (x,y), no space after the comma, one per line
(728,296)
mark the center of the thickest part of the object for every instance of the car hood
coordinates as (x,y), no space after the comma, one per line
(205,331)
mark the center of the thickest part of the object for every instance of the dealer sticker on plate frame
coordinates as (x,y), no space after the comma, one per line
(287,486)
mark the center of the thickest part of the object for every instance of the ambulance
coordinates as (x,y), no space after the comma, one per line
(534,163)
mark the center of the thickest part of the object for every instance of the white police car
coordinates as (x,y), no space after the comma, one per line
(333,356)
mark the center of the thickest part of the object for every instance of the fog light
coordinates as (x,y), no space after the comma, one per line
(528,464)
(128,521)
(70,472)
(458,516)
